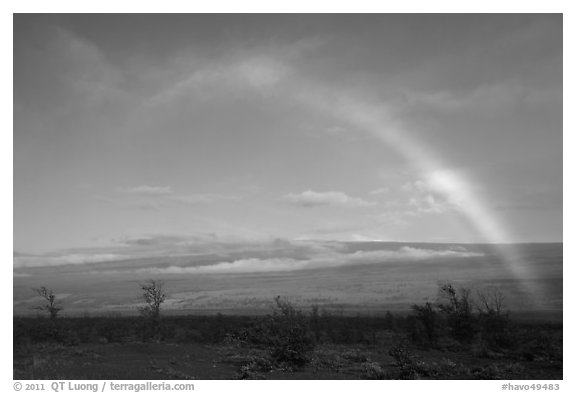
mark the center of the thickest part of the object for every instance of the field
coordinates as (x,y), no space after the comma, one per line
(287,344)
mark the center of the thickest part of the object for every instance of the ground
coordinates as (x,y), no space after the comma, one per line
(167,361)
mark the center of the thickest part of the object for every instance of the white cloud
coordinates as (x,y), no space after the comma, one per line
(415,198)
(259,72)
(258,69)
(220,238)
(147,190)
(327,259)
(330,198)
(59,260)
(380,191)
(152,240)
(429,204)
(256,72)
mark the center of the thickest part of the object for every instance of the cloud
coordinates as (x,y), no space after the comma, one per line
(365,231)
(429,204)
(206,241)
(195,199)
(488,97)
(123,248)
(67,259)
(326,259)
(330,198)
(159,239)
(147,190)
(414,198)
(70,63)
(153,198)
(258,72)
(380,191)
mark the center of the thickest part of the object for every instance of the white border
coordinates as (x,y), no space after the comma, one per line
(296,6)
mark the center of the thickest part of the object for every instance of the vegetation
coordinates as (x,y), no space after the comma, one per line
(51,305)
(457,308)
(154,295)
(459,336)
(285,333)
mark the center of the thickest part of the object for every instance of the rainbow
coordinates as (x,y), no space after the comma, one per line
(377,122)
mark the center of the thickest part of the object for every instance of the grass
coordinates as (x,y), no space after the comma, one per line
(289,344)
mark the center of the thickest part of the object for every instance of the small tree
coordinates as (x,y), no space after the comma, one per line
(495,325)
(52,305)
(288,334)
(491,302)
(458,311)
(426,329)
(154,295)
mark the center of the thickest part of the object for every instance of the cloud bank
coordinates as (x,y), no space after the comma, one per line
(327,259)
(59,260)
(330,198)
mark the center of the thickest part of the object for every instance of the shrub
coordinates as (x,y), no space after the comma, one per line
(287,334)
(495,326)
(52,306)
(497,371)
(458,311)
(410,368)
(373,370)
(426,328)
(540,346)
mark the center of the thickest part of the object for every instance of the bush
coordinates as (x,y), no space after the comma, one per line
(254,368)
(410,368)
(287,334)
(426,328)
(497,331)
(458,311)
(372,370)
(495,326)
(539,345)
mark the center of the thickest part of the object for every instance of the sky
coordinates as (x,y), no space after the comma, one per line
(137,130)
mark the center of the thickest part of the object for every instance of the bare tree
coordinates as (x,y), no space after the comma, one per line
(51,307)
(491,301)
(154,295)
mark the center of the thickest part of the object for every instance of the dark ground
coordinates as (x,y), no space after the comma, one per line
(204,362)
(353,348)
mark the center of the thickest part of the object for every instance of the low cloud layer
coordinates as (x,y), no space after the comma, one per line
(326,259)
(59,260)
(330,198)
